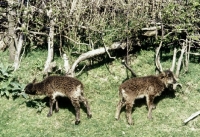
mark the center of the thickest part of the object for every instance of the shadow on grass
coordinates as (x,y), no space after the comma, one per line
(63,103)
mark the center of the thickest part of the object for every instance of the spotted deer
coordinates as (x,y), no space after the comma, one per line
(54,86)
(139,87)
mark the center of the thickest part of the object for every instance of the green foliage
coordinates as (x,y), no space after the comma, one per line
(40,106)
(9,85)
(182,16)
(37,104)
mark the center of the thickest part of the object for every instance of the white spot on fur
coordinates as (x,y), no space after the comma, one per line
(141,96)
(124,93)
(77,92)
(55,94)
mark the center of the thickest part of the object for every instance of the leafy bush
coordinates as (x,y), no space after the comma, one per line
(37,104)
(9,85)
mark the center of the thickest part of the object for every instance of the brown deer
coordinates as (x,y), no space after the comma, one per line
(54,86)
(139,87)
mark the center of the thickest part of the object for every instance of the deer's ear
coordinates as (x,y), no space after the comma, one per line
(34,80)
(162,75)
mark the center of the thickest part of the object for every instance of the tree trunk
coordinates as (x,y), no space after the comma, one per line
(19,45)
(48,65)
(11,33)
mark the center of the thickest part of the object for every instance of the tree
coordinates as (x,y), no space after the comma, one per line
(91,28)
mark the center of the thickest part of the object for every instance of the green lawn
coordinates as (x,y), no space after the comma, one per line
(19,119)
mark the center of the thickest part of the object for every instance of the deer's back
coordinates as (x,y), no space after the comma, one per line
(62,84)
(139,85)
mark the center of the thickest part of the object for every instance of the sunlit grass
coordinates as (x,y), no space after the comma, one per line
(101,89)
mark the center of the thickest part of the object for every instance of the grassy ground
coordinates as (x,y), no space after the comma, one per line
(19,118)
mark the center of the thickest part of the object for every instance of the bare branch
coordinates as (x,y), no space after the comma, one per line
(180,59)
(151,31)
(192,116)
(129,68)
(196,54)
(81,70)
(187,55)
(86,55)
(76,41)
(66,63)
(108,52)
(73,7)
(151,28)
(38,33)
(157,58)
(95,52)
(174,60)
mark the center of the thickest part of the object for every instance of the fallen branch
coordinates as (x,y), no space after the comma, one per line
(95,52)
(151,28)
(196,54)
(151,31)
(192,116)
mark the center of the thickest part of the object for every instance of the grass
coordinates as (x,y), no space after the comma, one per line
(19,118)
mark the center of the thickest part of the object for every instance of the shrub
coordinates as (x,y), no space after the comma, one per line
(9,85)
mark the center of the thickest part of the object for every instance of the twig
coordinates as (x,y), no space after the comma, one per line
(106,49)
(192,116)
(129,68)
(81,70)
(22,54)
(75,41)
(38,33)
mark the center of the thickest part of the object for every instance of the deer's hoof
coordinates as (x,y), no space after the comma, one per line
(89,115)
(49,115)
(56,110)
(77,122)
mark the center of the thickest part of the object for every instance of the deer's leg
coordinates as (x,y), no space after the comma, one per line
(57,107)
(85,102)
(120,104)
(129,107)
(75,103)
(150,105)
(51,102)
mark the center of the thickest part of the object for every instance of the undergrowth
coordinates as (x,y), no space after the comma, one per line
(9,84)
